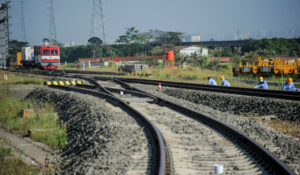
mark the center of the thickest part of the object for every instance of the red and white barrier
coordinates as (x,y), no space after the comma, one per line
(159,86)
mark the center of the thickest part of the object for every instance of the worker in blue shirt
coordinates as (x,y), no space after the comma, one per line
(211,81)
(83,66)
(224,82)
(289,85)
(262,84)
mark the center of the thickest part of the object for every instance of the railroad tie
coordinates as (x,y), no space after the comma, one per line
(63,83)
(67,83)
(48,83)
(55,83)
(73,83)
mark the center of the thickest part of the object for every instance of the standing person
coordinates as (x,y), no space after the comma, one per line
(224,82)
(289,85)
(262,84)
(83,66)
(78,66)
(211,81)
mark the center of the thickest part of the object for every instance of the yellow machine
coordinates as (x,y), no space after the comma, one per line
(264,67)
(19,57)
(285,67)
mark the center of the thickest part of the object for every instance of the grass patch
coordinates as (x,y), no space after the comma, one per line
(192,74)
(285,127)
(9,164)
(55,138)
(44,119)
(198,75)
(16,79)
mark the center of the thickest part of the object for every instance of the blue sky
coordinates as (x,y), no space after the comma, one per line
(217,19)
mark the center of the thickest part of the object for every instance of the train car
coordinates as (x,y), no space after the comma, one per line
(44,57)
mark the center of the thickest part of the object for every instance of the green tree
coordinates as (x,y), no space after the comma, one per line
(134,42)
(95,44)
(15,47)
(157,50)
(169,38)
(71,54)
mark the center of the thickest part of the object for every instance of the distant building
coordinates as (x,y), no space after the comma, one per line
(190,50)
(192,38)
(66,45)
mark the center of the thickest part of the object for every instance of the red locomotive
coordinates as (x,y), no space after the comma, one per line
(44,57)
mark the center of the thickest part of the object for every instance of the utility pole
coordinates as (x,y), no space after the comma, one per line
(52,29)
(23,30)
(97,22)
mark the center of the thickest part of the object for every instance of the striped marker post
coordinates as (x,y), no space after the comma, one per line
(159,86)
(5,77)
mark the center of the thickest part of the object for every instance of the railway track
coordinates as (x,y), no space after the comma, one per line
(160,159)
(230,90)
(278,94)
(236,142)
(61,72)
(198,141)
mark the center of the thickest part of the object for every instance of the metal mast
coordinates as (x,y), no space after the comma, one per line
(23,30)
(52,29)
(4,34)
(97,22)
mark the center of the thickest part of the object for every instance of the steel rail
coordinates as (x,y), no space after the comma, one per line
(271,163)
(61,72)
(92,72)
(115,90)
(278,94)
(161,154)
(288,95)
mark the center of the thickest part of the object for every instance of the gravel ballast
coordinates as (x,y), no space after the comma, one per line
(282,146)
(102,139)
(241,105)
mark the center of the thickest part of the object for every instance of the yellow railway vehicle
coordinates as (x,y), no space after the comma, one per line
(266,67)
(284,67)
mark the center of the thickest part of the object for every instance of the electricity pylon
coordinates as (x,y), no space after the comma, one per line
(23,30)
(52,29)
(97,22)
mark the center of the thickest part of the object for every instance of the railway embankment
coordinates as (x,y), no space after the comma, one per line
(102,139)
(240,105)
